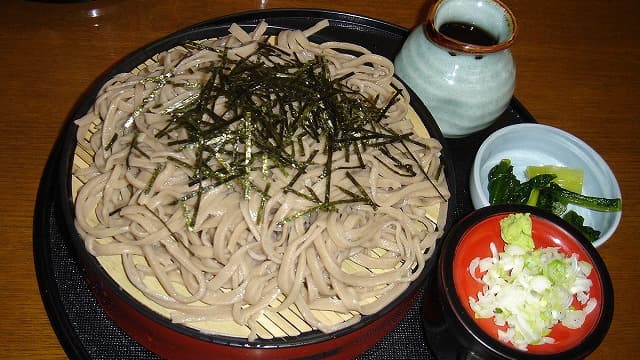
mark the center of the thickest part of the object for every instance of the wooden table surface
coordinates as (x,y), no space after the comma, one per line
(578,64)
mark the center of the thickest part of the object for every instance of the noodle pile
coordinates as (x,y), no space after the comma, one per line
(220,216)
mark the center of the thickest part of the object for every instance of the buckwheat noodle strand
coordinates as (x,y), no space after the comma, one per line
(347,237)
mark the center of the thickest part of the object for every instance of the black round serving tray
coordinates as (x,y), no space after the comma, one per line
(84,329)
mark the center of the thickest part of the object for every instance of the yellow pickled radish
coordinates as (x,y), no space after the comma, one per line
(567,177)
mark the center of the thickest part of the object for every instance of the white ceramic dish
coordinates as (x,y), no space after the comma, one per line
(537,144)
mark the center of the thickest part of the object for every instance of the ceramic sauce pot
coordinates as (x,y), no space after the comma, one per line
(459,63)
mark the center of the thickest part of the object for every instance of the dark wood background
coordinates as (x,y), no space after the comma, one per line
(577,62)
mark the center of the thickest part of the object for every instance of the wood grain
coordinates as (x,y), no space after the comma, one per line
(578,69)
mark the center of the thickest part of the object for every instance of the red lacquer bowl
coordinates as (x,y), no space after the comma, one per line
(175,341)
(470,238)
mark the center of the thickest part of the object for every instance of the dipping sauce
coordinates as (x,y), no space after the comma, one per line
(467,33)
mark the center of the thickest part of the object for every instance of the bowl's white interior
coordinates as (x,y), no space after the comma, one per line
(536,144)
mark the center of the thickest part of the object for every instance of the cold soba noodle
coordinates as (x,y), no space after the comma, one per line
(236,180)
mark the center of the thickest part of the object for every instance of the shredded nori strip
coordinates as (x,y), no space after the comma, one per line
(270,107)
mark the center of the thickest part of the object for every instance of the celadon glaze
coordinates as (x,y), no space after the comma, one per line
(465,87)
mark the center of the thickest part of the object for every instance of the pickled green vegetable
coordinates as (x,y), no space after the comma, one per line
(567,177)
(543,190)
